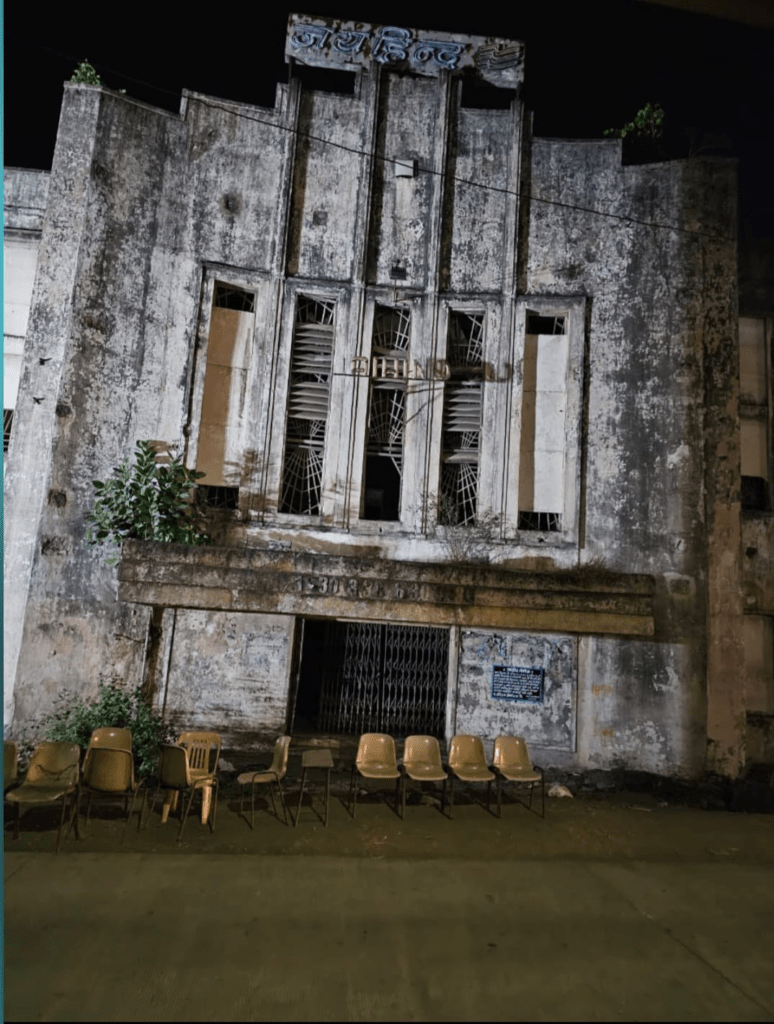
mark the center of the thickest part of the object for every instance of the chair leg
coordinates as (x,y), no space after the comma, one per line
(488,792)
(185,814)
(61,821)
(213,806)
(499,796)
(353,794)
(451,798)
(403,797)
(273,803)
(282,802)
(300,796)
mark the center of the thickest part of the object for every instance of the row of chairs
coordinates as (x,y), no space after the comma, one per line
(376,759)
(188,768)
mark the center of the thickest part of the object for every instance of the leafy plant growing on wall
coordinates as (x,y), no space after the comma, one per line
(75,718)
(87,74)
(145,500)
(648,123)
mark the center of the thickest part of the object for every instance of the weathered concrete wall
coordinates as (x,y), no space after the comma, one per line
(548,727)
(147,210)
(228,672)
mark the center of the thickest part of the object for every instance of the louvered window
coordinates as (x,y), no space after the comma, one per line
(462,419)
(386,414)
(311,361)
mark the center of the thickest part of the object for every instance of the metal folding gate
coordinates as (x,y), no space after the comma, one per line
(384,678)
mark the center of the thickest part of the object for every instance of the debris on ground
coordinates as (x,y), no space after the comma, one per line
(557,790)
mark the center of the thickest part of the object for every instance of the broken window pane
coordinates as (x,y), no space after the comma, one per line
(310,376)
(462,419)
(386,416)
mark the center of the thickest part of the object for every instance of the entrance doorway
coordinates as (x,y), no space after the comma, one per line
(357,677)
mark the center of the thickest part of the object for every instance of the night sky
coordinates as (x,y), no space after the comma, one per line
(588,67)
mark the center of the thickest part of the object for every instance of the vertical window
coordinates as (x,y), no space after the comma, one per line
(219,452)
(386,413)
(544,401)
(462,419)
(311,360)
(7,424)
(754,415)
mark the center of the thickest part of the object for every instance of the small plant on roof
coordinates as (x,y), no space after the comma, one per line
(146,500)
(87,74)
(648,123)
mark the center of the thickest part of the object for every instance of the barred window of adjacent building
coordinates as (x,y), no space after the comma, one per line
(219,452)
(7,425)
(311,361)
(462,404)
(386,414)
(544,401)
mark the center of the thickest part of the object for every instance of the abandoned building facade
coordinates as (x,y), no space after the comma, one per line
(466,402)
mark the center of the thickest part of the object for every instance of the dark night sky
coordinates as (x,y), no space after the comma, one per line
(588,67)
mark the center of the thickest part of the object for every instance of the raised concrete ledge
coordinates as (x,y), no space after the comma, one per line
(586,600)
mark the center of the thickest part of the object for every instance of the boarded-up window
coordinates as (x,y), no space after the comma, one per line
(462,400)
(220,448)
(758,637)
(543,409)
(311,361)
(386,414)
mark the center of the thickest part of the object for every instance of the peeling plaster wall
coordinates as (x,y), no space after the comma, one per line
(229,669)
(548,727)
(147,209)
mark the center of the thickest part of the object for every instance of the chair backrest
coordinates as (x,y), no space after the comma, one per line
(200,746)
(467,750)
(10,762)
(378,747)
(116,739)
(173,767)
(511,752)
(54,764)
(110,771)
(279,764)
(423,749)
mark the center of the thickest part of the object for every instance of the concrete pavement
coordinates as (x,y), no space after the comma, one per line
(260,937)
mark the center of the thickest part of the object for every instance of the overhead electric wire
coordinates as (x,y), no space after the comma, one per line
(228,105)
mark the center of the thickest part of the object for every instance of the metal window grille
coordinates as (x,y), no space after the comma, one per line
(463,394)
(310,376)
(545,522)
(384,678)
(228,296)
(386,418)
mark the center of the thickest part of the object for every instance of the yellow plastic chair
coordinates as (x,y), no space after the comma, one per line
(110,773)
(10,765)
(468,763)
(422,763)
(375,760)
(53,774)
(512,763)
(115,739)
(176,777)
(274,774)
(201,764)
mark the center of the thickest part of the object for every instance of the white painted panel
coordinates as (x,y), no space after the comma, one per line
(754,448)
(752,359)
(11,373)
(549,482)
(549,421)
(552,354)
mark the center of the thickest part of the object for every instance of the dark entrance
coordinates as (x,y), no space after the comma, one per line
(357,677)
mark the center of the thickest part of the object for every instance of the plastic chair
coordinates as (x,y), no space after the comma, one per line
(422,763)
(200,746)
(375,760)
(512,763)
(175,776)
(273,774)
(52,775)
(10,765)
(114,739)
(468,763)
(110,773)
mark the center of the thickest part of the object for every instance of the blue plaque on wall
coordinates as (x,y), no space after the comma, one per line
(517,683)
